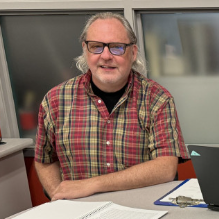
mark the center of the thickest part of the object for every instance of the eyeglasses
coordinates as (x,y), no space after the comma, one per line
(117,49)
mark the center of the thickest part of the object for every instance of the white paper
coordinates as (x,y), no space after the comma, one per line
(115,211)
(61,209)
(67,209)
(189,189)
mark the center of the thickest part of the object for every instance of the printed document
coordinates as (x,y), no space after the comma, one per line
(67,209)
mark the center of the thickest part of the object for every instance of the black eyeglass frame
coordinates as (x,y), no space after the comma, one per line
(108,46)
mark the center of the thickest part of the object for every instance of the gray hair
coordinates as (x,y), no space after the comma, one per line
(81,63)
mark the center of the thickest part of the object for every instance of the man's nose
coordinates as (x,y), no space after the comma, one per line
(106,53)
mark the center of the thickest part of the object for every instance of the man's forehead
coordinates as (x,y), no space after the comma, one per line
(112,26)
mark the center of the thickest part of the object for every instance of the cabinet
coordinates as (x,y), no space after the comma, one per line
(14,189)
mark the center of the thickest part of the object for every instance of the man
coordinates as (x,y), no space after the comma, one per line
(110,128)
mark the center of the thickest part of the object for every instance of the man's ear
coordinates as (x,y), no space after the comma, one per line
(83,45)
(134,52)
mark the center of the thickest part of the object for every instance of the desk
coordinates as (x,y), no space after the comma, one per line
(14,189)
(144,198)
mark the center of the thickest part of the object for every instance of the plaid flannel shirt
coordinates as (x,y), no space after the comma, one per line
(75,127)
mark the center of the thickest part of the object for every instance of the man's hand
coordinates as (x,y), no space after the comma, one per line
(75,189)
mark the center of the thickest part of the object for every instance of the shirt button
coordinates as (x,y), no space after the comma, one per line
(108,164)
(108,121)
(99,101)
(108,142)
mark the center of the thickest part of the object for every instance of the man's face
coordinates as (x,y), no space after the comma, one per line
(109,72)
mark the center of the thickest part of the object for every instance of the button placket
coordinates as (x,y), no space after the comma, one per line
(109,149)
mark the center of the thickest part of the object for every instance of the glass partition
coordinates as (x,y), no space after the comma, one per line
(40,49)
(182,53)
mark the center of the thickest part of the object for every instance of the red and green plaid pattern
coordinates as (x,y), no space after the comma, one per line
(76,128)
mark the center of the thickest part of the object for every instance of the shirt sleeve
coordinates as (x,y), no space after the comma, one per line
(165,138)
(45,148)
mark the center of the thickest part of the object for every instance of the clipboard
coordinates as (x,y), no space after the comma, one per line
(165,203)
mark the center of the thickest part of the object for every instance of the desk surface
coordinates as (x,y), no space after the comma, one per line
(144,198)
(13,145)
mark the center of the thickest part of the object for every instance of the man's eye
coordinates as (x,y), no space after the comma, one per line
(117,46)
(96,46)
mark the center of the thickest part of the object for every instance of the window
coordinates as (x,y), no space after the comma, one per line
(40,49)
(182,53)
